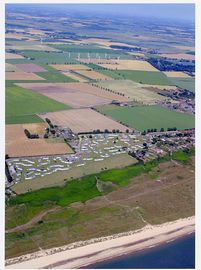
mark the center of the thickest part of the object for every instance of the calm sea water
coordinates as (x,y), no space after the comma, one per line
(177,254)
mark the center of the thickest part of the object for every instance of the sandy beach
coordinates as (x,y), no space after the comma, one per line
(83,253)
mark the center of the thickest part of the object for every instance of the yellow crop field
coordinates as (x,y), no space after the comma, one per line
(179,56)
(70,67)
(129,65)
(176,74)
(93,75)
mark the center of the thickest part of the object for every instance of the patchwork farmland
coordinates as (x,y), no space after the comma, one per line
(69,92)
(83,120)
(67,95)
(100,120)
(148,117)
(93,75)
(131,90)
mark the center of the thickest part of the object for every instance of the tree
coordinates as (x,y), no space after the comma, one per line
(45,136)
(162,130)
(145,145)
(47,120)
(27,133)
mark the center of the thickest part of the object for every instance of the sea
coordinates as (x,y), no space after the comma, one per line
(179,253)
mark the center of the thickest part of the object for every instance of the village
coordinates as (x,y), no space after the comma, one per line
(90,148)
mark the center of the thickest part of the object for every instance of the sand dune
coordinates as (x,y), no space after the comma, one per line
(82,253)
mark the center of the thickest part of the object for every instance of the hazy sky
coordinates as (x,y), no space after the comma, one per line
(180,12)
(166,11)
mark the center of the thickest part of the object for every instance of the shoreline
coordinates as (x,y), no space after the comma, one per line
(83,253)
(136,251)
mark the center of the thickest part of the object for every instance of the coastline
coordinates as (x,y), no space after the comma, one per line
(89,252)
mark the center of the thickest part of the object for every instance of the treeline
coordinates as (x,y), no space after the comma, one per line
(166,65)
(155,130)
(30,136)
(126,48)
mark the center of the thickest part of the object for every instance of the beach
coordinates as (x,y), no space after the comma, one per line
(84,253)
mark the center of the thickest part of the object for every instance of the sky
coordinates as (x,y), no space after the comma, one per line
(178,12)
(182,12)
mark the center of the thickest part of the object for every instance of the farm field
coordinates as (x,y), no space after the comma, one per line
(30,68)
(186,83)
(75,76)
(11,68)
(28,47)
(55,76)
(20,75)
(93,75)
(148,117)
(179,56)
(22,105)
(38,128)
(129,65)
(13,56)
(83,120)
(30,147)
(116,75)
(85,49)
(132,90)
(19,119)
(82,88)
(69,96)
(143,77)
(176,74)
(103,42)
(146,77)
(46,58)
(70,67)
(98,61)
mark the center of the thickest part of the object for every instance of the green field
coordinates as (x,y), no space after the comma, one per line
(22,104)
(148,117)
(111,73)
(44,58)
(186,83)
(23,119)
(143,77)
(53,75)
(146,77)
